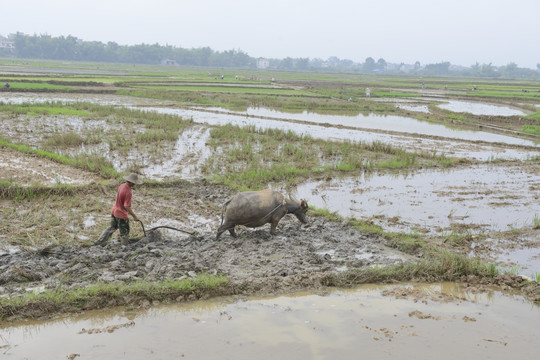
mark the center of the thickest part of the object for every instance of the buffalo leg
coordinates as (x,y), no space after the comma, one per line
(273,226)
(226,226)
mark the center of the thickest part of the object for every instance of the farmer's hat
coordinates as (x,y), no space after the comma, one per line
(133,178)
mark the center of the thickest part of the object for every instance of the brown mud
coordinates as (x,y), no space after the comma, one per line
(296,252)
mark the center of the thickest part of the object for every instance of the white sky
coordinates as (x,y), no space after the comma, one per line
(430,31)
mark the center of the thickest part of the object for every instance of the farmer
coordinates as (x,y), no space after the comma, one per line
(120,211)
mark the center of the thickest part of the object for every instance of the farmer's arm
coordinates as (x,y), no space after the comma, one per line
(128,208)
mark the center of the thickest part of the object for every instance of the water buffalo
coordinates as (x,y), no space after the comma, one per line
(256,208)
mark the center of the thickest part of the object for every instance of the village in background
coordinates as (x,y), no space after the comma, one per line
(70,48)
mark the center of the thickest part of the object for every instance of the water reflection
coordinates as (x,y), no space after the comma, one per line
(487,197)
(426,137)
(383,322)
(264,118)
(476,108)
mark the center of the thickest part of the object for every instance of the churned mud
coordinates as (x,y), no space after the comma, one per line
(295,257)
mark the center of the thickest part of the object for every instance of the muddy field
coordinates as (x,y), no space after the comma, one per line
(298,257)
(295,258)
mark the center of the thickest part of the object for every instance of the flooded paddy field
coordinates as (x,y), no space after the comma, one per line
(479,108)
(419,136)
(384,322)
(486,207)
(481,198)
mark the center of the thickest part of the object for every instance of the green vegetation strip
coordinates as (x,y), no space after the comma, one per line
(47,108)
(437,266)
(111,294)
(32,86)
(9,190)
(531,129)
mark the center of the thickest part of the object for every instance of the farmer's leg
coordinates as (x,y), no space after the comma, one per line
(123,225)
(105,235)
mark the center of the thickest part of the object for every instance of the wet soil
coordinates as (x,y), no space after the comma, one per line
(296,257)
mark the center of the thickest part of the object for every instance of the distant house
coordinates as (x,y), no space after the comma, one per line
(6,43)
(169,62)
(262,63)
(406,68)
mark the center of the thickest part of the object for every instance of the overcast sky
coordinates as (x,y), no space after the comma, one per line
(462,32)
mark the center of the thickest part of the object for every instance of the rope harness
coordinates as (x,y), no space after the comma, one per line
(166,227)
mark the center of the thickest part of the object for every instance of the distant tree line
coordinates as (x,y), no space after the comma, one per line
(72,48)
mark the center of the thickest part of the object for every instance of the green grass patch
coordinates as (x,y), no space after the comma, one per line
(536,222)
(456,117)
(401,161)
(31,86)
(436,266)
(53,108)
(68,139)
(531,129)
(501,93)
(392,93)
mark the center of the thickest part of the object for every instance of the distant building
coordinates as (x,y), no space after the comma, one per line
(262,63)
(6,43)
(169,62)
(406,68)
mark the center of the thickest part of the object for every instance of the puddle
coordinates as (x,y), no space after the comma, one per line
(520,255)
(440,321)
(479,108)
(418,108)
(492,198)
(528,260)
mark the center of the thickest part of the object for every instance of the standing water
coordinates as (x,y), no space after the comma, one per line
(384,322)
